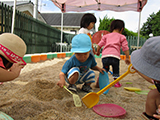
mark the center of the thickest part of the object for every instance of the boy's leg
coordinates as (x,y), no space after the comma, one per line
(72,78)
(87,79)
(152,102)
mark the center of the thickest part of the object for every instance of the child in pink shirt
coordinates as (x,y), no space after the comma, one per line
(112,43)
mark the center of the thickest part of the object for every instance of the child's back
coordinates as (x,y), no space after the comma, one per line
(113,42)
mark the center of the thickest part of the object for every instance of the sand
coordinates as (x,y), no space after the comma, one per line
(34,95)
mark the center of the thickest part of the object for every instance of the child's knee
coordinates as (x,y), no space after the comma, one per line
(73,78)
(75,75)
(153,94)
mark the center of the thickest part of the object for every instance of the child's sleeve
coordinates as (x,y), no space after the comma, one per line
(66,67)
(102,42)
(124,44)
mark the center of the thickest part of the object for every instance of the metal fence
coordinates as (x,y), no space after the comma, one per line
(40,37)
(132,43)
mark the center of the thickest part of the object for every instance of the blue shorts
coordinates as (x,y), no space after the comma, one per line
(88,77)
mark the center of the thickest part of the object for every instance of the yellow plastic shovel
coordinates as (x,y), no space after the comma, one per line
(91,99)
(76,98)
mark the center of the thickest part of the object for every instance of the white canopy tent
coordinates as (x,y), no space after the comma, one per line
(101,5)
(97,5)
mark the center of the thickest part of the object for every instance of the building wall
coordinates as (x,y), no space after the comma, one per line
(69,29)
(28,9)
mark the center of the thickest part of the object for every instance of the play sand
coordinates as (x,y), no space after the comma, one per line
(34,95)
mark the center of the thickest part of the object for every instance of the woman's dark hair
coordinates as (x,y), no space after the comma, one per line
(116,24)
(87,19)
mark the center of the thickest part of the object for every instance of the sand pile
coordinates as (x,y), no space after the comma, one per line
(34,95)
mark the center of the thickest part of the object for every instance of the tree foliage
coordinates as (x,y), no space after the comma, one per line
(105,25)
(152,25)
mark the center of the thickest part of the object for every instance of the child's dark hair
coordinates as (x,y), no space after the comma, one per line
(87,19)
(6,63)
(116,24)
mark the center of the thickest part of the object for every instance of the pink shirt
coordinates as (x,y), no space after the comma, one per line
(112,43)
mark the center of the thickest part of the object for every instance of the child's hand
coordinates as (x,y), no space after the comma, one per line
(157,116)
(94,52)
(16,68)
(98,50)
(61,83)
(98,69)
(101,70)
(127,61)
(97,53)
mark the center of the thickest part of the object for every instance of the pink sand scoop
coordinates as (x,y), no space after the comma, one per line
(109,110)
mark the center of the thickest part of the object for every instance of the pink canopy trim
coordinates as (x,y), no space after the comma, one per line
(100,5)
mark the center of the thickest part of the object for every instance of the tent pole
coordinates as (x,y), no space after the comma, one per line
(61,30)
(35,9)
(13,16)
(139,29)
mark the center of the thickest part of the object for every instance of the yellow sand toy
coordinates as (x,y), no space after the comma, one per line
(76,98)
(152,87)
(132,89)
(92,98)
